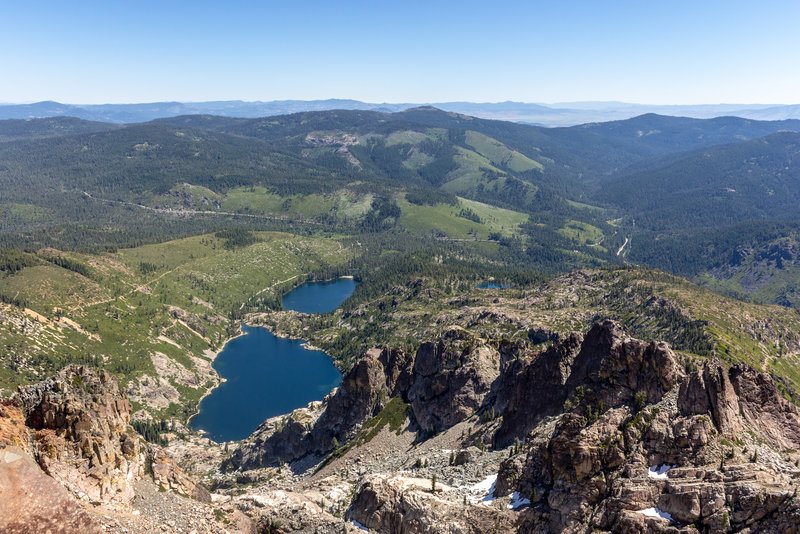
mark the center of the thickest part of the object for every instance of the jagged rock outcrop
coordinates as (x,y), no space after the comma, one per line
(762,406)
(607,367)
(445,382)
(609,433)
(711,392)
(529,392)
(399,370)
(82,434)
(169,476)
(398,505)
(361,394)
(640,441)
(76,425)
(451,379)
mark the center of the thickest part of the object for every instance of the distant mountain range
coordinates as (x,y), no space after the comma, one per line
(560,114)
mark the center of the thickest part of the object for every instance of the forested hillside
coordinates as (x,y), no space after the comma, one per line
(554,199)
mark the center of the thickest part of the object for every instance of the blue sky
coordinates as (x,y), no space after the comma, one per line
(679,52)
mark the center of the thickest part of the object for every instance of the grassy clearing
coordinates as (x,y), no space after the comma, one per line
(444,219)
(502,220)
(589,207)
(417,159)
(13,214)
(257,200)
(499,154)
(173,298)
(406,137)
(582,233)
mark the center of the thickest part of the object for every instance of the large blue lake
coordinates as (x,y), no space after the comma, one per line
(267,375)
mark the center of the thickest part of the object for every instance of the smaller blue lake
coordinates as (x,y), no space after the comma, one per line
(493,285)
(266,375)
(319,297)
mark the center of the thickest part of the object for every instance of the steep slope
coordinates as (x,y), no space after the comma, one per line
(618,437)
(666,135)
(69,439)
(714,187)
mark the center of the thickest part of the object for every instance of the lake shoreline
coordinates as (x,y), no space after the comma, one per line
(221,381)
(272,371)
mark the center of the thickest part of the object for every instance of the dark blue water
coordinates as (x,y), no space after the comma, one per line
(319,297)
(493,285)
(265,376)
(268,376)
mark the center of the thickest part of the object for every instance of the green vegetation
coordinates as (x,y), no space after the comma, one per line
(499,154)
(653,305)
(392,415)
(151,326)
(444,220)
(140,248)
(152,431)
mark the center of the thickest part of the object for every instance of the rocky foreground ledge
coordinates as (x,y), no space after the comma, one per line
(71,462)
(599,432)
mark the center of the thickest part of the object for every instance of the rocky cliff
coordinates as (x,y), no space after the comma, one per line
(75,427)
(642,445)
(599,432)
(445,382)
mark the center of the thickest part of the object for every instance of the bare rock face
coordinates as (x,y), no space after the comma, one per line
(445,382)
(82,433)
(287,511)
(77,424)
(31,501)
(527,394)
(360,396)
(399,369)
(13,431)
(168,475)
(397,505)
(452,377)
(616,367)
(609,433)
(608,367)
(643,447)
(762,406)
(711,391)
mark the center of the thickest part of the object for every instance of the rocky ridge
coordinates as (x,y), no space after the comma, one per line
(69,437)
(443,383)
(599,432)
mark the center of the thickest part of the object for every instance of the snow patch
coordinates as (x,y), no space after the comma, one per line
(483,491)
(660,472)
(655,512)
(358,525)
(518,501)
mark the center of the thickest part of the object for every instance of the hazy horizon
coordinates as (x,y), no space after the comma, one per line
(561,104)
(681,53)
